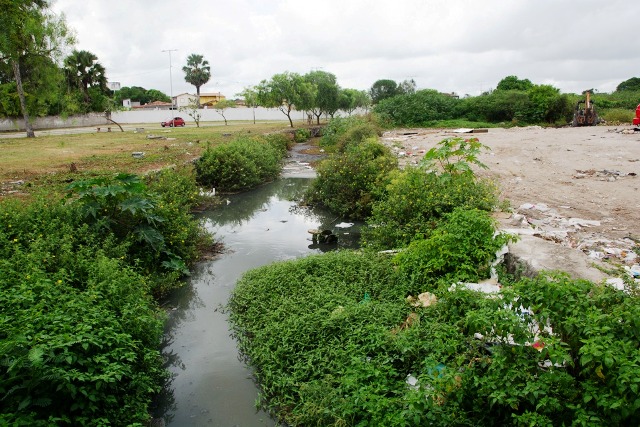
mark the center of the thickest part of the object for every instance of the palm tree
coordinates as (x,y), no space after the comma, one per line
(83,71)
(197,72)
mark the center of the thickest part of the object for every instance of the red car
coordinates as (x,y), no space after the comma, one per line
(636,119)
(176,121)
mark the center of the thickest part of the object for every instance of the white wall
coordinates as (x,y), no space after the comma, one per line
(207,115)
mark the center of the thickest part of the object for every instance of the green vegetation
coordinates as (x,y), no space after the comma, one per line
(340,132)
(80,331)
(416,109)
(342,339)
(334,342)
(415,202)
(242,163)
(348,182)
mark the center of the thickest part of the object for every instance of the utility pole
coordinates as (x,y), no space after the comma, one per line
(170,76)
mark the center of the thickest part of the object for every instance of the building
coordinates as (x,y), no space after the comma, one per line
(206,99)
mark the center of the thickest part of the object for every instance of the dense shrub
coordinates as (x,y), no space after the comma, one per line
(416,109)
(334,342)
(462,248)
(348,182)
(340,132)
(241,164)
(79,330)
(415,201)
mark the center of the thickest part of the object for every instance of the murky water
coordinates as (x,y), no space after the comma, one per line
(212,387)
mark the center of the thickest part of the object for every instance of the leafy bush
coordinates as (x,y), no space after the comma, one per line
(347,183)
(124,208)
(334,342)
(79,330)
(80,334)
(241,164)
(340,132)
(461,248)
(416,109)
(301,135)
(617,116)
(415,201)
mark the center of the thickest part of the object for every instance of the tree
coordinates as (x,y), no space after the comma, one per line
(220,106)
(326,99)
(140,94)
(197,72)
(193,110)
(514,83)
(383,89)
(250,95)
(352,99)
(407,87)
(284,91)
(84,72)
(632,84)
(29,29)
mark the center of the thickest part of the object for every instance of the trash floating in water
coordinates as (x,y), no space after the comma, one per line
(344,225)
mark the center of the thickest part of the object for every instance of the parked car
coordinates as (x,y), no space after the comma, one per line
(176,121)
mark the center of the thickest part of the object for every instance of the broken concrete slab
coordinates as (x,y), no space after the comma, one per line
(531,255)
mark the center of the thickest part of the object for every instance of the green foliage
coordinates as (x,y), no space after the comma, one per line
(617,116)
(548,105)
(326,93)
(632,84)
(242,163)
(352,99)
(508,106)
(453,156)
(416,109)
(340,132)
(139,94)
(514,83)
(462,247)
(347,182)
(79,330)
(197,71)
(333,341)
(301,135)
(123,207)
(85,74)
(415,201)
(383,89)
(284,91)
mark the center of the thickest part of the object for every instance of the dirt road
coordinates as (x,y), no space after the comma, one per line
(575,187)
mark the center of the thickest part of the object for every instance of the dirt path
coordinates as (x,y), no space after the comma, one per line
(576,187)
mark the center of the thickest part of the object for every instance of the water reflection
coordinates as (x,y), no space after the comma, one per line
(210,385)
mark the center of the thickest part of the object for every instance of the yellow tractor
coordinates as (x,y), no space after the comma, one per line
(585,112)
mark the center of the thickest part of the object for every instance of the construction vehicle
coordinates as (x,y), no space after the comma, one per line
(585,112)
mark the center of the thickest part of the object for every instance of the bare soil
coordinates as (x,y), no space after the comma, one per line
(576,187)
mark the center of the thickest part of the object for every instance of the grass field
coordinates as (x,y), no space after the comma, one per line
(54,157)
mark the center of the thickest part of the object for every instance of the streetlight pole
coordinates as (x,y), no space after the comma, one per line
(170,76)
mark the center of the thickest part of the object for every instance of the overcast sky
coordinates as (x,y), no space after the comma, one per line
(462,46)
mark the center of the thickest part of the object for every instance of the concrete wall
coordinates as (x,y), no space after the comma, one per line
(152,116)
(207,115)
(53,122)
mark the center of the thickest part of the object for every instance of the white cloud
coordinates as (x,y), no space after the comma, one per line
(451,45)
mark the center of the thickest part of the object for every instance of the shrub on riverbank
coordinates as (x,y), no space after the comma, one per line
(348,182)
(415,202)
(334,342)
(242,163)
(79,328)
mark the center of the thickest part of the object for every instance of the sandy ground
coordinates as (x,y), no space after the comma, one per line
(574,187)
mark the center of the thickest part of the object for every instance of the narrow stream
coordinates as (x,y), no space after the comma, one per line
(211,386)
